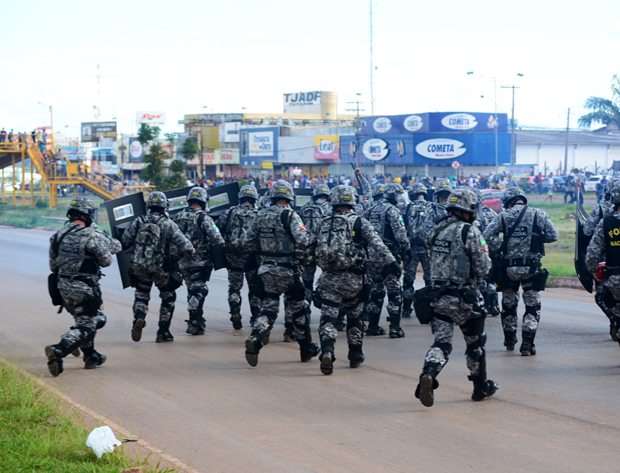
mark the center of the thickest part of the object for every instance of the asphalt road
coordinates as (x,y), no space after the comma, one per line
(198,400)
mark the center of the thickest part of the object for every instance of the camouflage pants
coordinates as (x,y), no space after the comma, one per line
(378,287)
(610,297)
(410,276)
(235,284)
(475,338)
(510,301)
(197,291)
(272,283)
(599,298)
(82,301)
(143,295)
(341,295)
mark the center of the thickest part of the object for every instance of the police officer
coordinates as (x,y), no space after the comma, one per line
(440,199)
(459,261)
(387,220)
(343,242)
(77,252)
(484,216)
(604,208)
(278,237)
(524,230)
(311,214)
(199,228)
(235,224)
(416,216)
(604,248)
(154,239)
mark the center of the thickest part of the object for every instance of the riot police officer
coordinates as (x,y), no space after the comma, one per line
(199,228)
(525,230)
(388,222)
(277,237)
(459,261)
(77,252)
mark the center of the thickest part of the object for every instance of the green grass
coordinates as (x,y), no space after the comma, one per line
(36,436)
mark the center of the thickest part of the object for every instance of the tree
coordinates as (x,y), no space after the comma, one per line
(603,110)
(190,148)
(147,133)
(154,169)
(177,175)
(172,141)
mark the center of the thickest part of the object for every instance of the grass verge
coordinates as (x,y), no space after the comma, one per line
(37,436)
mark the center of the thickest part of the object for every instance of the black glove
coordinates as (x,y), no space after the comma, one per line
(392,268)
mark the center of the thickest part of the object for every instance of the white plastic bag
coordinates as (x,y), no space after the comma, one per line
(102,440)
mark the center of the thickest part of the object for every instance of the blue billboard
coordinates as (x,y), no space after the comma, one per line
(258,144)
(433,149)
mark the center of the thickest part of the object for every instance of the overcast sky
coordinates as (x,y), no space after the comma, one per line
(180,56)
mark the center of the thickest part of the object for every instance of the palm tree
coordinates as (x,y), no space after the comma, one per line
(603,110)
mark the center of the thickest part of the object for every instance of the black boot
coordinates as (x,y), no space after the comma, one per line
(375,331)
(510,340)
(396,331)
(252,348)
(307,350)
(355,356)
(483,388)
(136,329)
(236,321)
(424,389)
(195,324)
(407,308)
(527,347)
(327,362)
(93,360)
(613,330)
(54,356)
(163,334)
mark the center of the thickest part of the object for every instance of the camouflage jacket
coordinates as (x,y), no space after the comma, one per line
(527,240)
(602,210)
(419,223)
(81,251)
(438,212)
(459,254)
(204,235)
(321,209)
(484,217)
(175,244)
(235,224)
(597,248)
(388,223)
(277,236)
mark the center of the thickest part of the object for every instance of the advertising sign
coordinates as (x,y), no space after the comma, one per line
(375,149)
(136,151)
(229,132)
(222,156)
(467,122)
(441,148)
(260,143)
(92,132)
(151,118)
(303,102)
(326,147)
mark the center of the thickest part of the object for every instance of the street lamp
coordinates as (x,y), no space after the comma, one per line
(495,127)
(513,141)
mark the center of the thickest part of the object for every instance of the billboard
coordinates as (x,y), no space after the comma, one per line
(136,151)
(222,156)
(326,147)
(260,143)
(229,132)
(315,102)
(92,132)
(151,118)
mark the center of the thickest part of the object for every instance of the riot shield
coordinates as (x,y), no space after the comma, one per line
(581,246)
(121,212)
(220,199)
(302,197)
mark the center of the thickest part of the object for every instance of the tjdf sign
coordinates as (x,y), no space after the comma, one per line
(317,102)
(441,148)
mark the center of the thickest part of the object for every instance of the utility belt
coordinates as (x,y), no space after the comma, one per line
(280,264)
(427,295)
(90,279)
(532,262)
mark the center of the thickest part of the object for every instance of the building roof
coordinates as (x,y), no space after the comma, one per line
(558,137)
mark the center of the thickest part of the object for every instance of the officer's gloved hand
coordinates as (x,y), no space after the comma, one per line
(392,268)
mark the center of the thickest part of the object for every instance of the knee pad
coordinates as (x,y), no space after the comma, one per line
(169,298)
(100,320)
(475,353)
(445,347)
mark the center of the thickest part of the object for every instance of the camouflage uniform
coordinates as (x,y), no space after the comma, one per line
(441,194)
(388,222)
(342,282)
(276,237)
(172,240)
(311,214)
(459,261)
(200,229)
(77,252)
(234,224)
(604,247)
(416,217)
(521,256)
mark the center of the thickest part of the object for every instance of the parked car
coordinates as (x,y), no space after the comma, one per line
(492,198)
(591,182)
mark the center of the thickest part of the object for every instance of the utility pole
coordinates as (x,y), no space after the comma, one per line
(355,106)
(372,63)
(513,141)
(566,142)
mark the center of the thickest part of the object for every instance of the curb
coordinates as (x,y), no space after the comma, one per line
(566,283)
(152,455)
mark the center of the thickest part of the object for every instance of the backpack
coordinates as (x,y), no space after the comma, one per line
(338,246)
(311,215)
(148,254)
(238,224)
(416,217)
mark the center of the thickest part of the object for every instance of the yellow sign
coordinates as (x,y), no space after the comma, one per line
(266,165)
(326,147)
